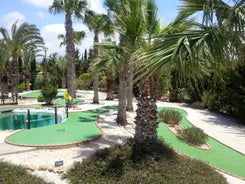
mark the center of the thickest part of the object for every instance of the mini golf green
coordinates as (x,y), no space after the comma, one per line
(79,127)
(219,156)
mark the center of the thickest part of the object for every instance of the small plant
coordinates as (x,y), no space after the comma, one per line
(49,93)
(168,116)
(40,98)
(193,135)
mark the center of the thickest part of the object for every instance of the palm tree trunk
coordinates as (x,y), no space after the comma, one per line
(121,114)
(146,118)
(3,84)
(96,73)
(70,54)
(95,87)
(110,80)
(63,81)
(130,107)
(15,80)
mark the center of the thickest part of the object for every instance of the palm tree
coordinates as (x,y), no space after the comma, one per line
(69,8)
(22,37)
(192,52)
(77,36)
(107,61)
(97,23)
(29,56)
(146,123)
(129,18)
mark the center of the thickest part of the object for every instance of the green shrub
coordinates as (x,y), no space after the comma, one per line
(49,93)
(141,163)
(21,86)
(193,136)
(16,174)
(85,81)
(170,116)
(40,98)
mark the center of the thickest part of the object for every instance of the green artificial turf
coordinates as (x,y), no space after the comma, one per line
(79,127)
(219,156)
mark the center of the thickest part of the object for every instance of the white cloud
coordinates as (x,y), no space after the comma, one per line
(97,6)
(50,35)
(41,15)
(12,17)
(39,3)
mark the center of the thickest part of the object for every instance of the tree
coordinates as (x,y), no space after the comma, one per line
(129,17)
(29,56)
(97,23)
(146,122)
(22,37)
(69,8)
(3,71)
(192,52)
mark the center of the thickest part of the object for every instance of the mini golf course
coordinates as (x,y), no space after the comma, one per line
(81,126)
(219,156)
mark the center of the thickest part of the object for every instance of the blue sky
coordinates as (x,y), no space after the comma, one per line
(36,12)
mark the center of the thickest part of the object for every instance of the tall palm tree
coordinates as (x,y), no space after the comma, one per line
(69,8)
(22,37)
(107,61)
(97,23)
(191,52)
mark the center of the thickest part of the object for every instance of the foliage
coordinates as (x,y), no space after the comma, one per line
(40,98)
(49,93)
(16,174)
(193,135)
(170,116)
(227,96)
(85,81)
(21,86)
(141,163)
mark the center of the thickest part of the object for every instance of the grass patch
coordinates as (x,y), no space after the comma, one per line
(17,174)
(140,163)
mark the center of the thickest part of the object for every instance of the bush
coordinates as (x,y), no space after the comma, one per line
(85,81)
(170,116)
(40,98)
(141,163)
(49,93)
(193,136)
(16,174)
(21,86)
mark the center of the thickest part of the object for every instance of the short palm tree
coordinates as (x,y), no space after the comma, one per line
(69,8)
(22,37)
